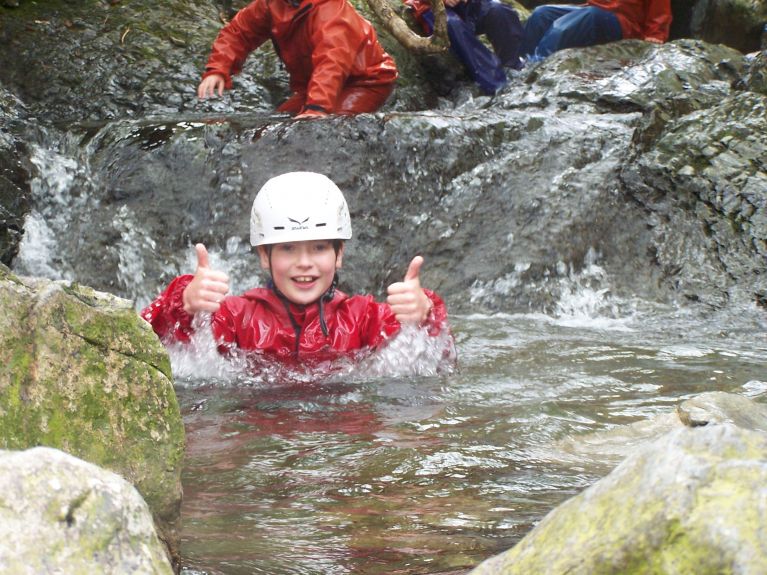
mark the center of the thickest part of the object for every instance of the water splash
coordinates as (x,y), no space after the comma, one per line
(411,352)
(585,300)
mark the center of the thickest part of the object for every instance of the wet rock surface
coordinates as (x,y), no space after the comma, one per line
(15,178)
(641,160)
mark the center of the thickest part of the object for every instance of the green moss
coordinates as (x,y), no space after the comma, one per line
(90,378)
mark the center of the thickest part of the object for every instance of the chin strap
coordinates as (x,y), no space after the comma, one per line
(326,297)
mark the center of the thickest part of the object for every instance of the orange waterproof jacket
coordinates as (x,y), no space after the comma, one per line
(258,320)
(640,18)
(325,46)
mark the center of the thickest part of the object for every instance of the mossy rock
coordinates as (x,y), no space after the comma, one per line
(691,502)
(84,374)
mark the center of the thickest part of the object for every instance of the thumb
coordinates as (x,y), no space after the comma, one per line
(202,256)
(414,268)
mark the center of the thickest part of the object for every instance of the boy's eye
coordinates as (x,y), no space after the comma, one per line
(321,246)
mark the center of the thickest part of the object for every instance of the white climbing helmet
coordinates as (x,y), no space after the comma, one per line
(299,206)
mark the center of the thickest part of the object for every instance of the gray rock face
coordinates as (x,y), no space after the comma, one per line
(693,501)
(756,77)
(641,162)
(59,514)
(705,185)
(14,179)
(736,23)
(575,164)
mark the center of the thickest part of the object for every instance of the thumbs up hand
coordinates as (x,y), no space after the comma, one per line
(407,300)
(207,289)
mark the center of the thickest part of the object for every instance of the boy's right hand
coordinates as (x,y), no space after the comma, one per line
(207,289)
(211,85)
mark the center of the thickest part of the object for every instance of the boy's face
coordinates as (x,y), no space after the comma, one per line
(302,271)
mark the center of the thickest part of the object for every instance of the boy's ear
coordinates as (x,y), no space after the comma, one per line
(263,255)
(340,256)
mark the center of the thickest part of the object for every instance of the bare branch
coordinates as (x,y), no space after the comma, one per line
(434,44)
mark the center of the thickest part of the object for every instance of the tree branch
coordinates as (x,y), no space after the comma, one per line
(434,44)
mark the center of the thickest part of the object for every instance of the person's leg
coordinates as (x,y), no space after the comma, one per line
(539,22)
(583,27)
(361,99)
(483,66)
(500,23)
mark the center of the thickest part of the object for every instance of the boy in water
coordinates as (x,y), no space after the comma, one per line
(298,223)
(332,54)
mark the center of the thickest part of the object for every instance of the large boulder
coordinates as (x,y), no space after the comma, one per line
(59,514)
(83,373)
(693,501)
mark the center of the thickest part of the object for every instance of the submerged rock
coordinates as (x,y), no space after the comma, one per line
(59,514)
(693,501)
(611,446)
(84,374)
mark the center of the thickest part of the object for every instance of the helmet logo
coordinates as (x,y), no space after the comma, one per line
(299,225)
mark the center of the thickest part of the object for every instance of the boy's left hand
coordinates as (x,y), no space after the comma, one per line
(407,300)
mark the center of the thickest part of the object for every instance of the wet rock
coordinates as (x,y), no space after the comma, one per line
(736,23)
(677,77)
(704,183)
(59,514)
(82,373)
(717,407)
(756,76)
(609,447)
(691,502)
(14,178)
(560,173)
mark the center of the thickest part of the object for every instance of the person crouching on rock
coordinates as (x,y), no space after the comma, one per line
(332,54)
(299,222)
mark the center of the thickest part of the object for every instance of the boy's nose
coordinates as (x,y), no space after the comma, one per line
(304,259)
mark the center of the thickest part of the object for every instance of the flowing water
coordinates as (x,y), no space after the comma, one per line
(373,474)
(395,466)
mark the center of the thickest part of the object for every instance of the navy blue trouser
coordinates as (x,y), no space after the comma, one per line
(500,23)
(552,27)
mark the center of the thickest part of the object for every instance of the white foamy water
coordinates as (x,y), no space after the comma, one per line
(411,352)
(585,300)
(56,202)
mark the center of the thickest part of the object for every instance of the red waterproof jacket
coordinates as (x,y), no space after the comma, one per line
(258,320)
(640,18)
(325,46)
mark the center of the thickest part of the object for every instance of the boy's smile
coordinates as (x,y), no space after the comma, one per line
(302,271)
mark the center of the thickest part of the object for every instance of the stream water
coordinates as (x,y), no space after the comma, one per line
(396,467)
(432,474)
